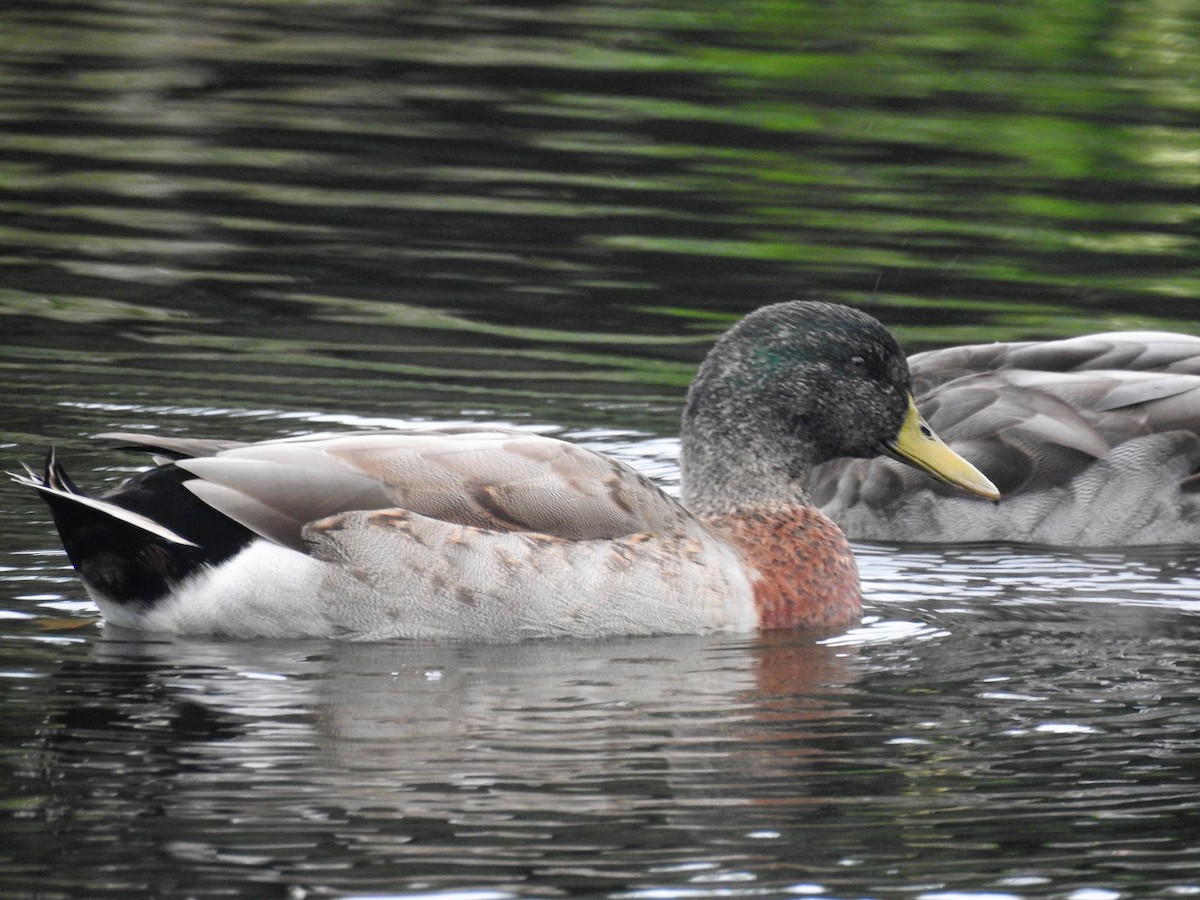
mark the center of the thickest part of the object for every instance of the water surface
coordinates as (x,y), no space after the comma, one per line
(254,219)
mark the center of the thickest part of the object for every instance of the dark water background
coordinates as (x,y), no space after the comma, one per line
(252,219)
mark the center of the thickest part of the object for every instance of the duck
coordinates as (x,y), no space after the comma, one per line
(482,533)
(1094,441)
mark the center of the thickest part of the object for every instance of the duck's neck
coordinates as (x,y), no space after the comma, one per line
(721,473)
(801,565)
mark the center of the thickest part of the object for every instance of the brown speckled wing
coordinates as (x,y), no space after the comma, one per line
(512,481)
(498,480)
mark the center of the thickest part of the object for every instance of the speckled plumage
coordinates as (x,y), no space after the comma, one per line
(806,576)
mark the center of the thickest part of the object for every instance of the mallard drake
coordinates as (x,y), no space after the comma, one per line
(1093,441)
(493,534)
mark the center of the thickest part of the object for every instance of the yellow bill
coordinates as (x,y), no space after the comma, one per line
(917,445)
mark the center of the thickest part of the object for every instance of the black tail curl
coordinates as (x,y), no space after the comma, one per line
(133,544)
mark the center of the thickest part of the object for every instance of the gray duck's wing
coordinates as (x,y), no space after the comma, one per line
(495,479)
(1034,418)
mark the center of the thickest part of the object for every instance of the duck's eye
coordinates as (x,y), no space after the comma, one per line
(858,362)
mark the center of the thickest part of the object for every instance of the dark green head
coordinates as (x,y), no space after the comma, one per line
(794,385)
(818,376)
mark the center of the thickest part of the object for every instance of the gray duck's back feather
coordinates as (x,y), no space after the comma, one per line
(1092,441)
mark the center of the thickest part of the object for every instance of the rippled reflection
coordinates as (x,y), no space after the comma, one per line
(627,764)
(254,219)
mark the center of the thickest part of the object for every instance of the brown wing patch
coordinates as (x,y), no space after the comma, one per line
(514,481)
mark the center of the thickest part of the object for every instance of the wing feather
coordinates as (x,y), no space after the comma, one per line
(1033,415)
(496,479)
